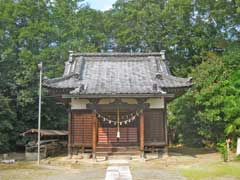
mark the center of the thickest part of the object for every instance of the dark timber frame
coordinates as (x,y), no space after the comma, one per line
(158,124)
(94,136)
(69,132)
(142,133)
(89,78)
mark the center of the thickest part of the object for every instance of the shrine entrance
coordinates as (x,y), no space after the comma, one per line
(118,130)
(119,127)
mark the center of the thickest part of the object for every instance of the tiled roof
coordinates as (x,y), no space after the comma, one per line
(117,73)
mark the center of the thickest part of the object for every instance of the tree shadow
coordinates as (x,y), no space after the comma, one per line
(189,151)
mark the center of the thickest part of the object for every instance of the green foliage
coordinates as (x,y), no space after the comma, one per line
(210,111)
(186,29)
(222,148)
(8,132)
(212,171)
(238,158)
(34,31)
(44,30)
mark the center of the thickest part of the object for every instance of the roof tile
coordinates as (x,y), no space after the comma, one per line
(117,73)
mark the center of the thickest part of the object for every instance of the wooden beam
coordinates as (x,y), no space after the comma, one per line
(94,136)
(69,132)
(100,107)
(142,132)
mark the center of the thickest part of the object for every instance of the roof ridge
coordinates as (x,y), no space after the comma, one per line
(58,79)
(176,78)
(117,54)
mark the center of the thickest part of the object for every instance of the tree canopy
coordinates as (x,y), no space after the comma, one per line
(201,38)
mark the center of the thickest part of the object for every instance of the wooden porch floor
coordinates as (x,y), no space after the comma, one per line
(110,149)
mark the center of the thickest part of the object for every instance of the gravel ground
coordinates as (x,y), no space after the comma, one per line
(61,168)
(45,172)
(155,174)
(86,171)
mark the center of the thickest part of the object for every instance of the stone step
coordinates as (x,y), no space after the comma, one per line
(113,159)
(109,146)
(116,149)
(118,161)
(118,172)
(105,153)
(120,157)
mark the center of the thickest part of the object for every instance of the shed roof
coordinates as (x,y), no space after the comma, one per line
(45,132)
(116,74)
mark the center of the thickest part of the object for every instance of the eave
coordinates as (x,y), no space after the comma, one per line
(82,96)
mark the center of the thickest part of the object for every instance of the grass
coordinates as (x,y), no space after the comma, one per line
(214,170)
(19,165)
(21,170)
(25,170)
(194,164)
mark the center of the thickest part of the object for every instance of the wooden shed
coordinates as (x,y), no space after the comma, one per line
(117,101)
(52,142)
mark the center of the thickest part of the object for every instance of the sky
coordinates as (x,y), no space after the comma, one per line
(102,5)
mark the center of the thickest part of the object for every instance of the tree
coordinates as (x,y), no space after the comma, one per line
(188,30)
(34,31)
(193,33)
(209,113)
(8,132)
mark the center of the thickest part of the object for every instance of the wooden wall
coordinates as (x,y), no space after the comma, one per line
(83,122)
(154,127)
(128,135)
(81,127)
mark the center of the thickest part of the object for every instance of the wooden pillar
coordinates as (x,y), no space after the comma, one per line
(142,133)
(94,135)
(165,128)
(165,122)
(69,133)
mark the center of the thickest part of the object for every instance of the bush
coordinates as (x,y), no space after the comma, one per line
(238,158)
(222,148)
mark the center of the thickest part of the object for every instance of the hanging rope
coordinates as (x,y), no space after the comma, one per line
(126,118)
(118,124)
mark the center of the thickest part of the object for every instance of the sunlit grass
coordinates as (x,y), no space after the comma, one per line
(231,169)
(21,170)
(19,165)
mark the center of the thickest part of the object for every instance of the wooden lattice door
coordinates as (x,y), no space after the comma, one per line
(107,133)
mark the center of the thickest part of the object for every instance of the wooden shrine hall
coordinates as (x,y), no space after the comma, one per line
(117,101)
